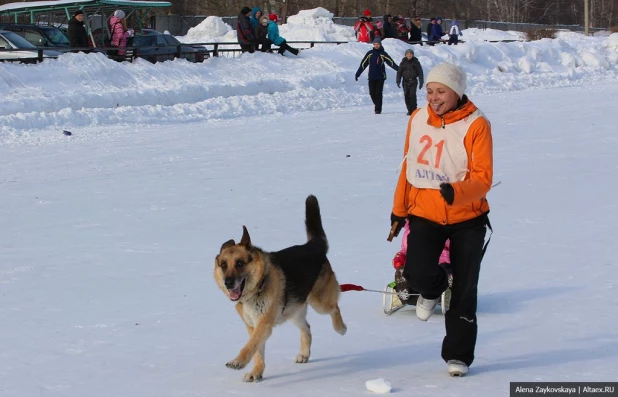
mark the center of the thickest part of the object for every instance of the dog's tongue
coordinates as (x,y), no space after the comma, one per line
(235,293)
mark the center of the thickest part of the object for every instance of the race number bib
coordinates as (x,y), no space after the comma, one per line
(437,155)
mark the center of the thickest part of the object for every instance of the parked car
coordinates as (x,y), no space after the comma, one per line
(155,46)
(23,51)
(39,35)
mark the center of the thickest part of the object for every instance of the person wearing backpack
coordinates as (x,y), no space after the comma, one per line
(454,33)
(411,72)
(363,29)
(376,59)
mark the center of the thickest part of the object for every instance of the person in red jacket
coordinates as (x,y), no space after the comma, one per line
(447,172)
(364,28)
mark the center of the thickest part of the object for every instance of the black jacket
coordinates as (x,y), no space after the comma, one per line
(244,30)
(429,29)
(409,71)
(416,35)
(389,30)
(78,37)
(261,33)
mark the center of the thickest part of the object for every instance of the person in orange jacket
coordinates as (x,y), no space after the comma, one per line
(446,173)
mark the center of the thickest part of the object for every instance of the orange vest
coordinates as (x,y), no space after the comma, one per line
(469,168)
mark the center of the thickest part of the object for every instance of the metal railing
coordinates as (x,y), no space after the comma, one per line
(219,49)
(40,55)
(179,25)
(215,49)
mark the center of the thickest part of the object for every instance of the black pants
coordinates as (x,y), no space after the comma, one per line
(264,45)
(409,94)
(425,243)
(453,39)
(375,91)
(250,48)
(286,47)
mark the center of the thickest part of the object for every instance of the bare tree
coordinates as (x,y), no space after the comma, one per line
(603,13)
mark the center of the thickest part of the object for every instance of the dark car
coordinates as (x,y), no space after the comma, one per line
(39,35)
(155,46)
(16,48)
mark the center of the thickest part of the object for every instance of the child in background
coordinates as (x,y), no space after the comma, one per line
(406,296)
(411,72)
(454,33)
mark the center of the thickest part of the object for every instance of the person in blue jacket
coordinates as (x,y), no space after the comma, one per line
(376,59)
(436,32)
(273,35)
(256,16)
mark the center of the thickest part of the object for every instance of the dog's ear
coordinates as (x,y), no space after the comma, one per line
(227,244)
(245,240)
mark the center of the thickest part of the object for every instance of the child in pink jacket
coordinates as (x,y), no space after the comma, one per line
(119,31)
(399,260)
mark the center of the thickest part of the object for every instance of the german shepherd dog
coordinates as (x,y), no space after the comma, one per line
(273,287)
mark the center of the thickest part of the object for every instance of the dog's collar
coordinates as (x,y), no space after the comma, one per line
(261,287)
(262,283)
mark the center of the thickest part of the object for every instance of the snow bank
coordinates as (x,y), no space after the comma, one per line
(90,90)
(612,41)
(210,28)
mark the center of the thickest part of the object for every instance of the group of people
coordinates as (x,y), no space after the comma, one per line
(395,27)
(409,72)
(258,32)
(119,32)
(435,32)
(392,27)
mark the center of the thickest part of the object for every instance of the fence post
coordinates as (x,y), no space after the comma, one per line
(215,51)
(178,51)
(40,55)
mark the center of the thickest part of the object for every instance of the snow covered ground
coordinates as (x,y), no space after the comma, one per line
(109,239)
(110,234)
(79,90)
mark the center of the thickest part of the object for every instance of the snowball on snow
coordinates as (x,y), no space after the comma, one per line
(378,386)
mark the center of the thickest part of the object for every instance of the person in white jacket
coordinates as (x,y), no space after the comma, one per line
(454,33)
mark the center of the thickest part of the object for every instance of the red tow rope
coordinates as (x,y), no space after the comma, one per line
(354,287)
(351,287)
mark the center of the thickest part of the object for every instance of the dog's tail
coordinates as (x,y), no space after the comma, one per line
(313,222)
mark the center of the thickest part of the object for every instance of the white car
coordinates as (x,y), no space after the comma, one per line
(15,48)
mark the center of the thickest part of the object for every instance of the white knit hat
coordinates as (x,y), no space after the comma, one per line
(450,75)
(119,14)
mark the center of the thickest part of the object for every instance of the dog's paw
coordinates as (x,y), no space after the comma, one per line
(342,330)
(252,377)
(236,364)
(302,358)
